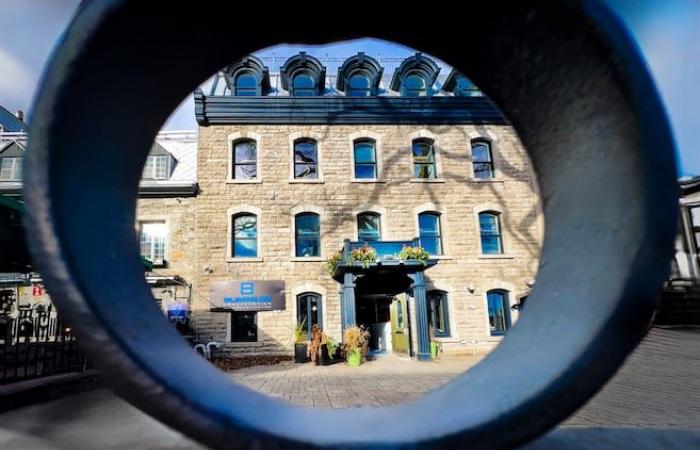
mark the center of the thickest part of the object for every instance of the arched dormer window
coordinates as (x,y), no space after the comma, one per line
(359,76)
(247,77)
(303,76)
(416,76)
(460,85)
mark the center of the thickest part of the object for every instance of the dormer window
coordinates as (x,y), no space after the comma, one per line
(11,169)
(246,85)
(460,85)
(303,86)
(413,86)
(303,76)
(157,167)
(359,76)
(415,76)
(247,77)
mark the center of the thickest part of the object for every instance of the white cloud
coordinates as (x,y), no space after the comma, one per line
(17,82)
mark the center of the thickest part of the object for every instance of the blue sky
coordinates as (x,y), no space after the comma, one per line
(667,31)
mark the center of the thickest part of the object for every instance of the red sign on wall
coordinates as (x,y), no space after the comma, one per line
(37,291)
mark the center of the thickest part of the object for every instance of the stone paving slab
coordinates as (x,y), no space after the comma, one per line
(652,403)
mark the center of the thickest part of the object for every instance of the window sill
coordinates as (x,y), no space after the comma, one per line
(441,257)
(303,181)
(427,180)
(244,344)
(251,181)
(487,180)
(447,340)
(307,259)
(495,338)
(367,180)
(496,257)
(244,260)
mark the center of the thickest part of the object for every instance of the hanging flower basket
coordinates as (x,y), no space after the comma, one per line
(409,253)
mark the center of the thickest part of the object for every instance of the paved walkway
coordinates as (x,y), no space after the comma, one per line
(652,403)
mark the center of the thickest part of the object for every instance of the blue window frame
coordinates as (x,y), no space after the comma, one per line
(246,85)
(245,162)
(490,229)
(429,232)
(303,86)
(309,311)
(482,159)
(305,159)
(413,86)
(359,86)
(499,312)
(307,235)
(438,314)
(369,227)
(424,159)
(365,155)
(245,236)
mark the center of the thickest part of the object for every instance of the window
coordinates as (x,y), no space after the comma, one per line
(246,85)
(303,86)
(695,219)
(10,169)
(305,159)
(438,315)
(499,313)
(245,163)
(465,87)
(307,239)
(414,86)
(244,326)
(359,86)
(490,228)
(152,241)
(399,314)
(365,159)
(309,312)
(424,159)
(368,227)
(157,167)
(245,236)
(429,232)
(482,160)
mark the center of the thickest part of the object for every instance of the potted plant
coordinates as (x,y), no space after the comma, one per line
(365,255)
(330,351)
(409,253)
(301,348)
(333,262)
(355,340)
(434,345)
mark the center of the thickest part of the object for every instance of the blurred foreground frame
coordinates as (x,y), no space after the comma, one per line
(564,73)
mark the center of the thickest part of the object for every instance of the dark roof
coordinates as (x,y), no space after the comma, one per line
(689,185)
(10,122)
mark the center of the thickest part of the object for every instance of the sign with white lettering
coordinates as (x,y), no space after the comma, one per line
(260,295)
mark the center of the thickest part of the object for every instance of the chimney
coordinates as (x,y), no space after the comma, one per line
(20,115)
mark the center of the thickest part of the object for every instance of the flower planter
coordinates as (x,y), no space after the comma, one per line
(326,359)
(354,358)
(301,352)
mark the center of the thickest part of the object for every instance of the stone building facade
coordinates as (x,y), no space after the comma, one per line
(479,188)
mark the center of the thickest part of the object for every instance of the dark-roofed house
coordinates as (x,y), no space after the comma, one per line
(10,122)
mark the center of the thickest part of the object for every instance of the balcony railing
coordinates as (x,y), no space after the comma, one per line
(386,250)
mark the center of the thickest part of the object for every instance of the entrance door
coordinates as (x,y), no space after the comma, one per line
(399,325)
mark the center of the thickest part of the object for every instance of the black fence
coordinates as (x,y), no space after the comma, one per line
(35,343)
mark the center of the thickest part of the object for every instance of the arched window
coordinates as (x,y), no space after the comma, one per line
(245,236)
(413,86)
(491,237)
(369,227)
(245,162)
(424,159)
(309,311)
(482,160)
(429,232)
(365,156)
(359,86)
(305,159)
(303,86)
(246,85)
(499,312)
(307,235)
(438,314)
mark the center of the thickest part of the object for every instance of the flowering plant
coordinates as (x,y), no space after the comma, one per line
(414,253)
(365,255)
(333,262)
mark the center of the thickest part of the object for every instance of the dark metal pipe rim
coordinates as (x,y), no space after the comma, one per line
(565,74)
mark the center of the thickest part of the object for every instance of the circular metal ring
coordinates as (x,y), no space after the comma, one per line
(566,76)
